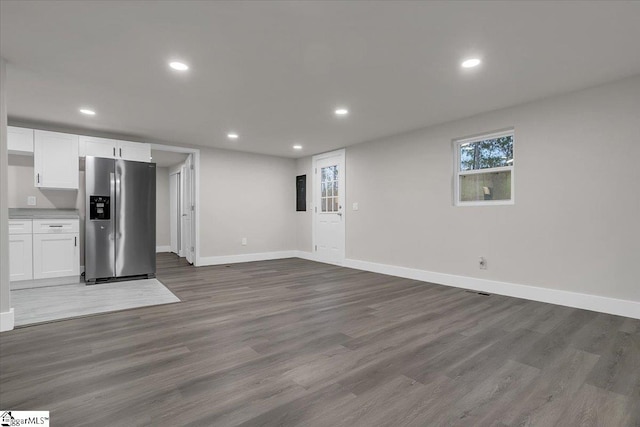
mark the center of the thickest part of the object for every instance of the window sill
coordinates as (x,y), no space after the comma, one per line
(486,203)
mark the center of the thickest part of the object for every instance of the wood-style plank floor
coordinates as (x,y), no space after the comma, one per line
(293,342)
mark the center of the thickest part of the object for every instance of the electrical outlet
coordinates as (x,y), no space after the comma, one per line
(482,263)
(355,206)
(244,241)
(31,200)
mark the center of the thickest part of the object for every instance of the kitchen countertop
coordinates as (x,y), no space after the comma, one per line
(24,213)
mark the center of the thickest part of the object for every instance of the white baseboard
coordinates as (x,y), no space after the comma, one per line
(233,259)
(163,249)
(311,256)
(553,296)
(306,255)
(45,283)
(6,320)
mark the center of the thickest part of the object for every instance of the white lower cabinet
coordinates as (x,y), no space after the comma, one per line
(20,257)
(44,249)
(55,255)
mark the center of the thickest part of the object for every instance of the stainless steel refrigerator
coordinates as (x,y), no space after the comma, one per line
(120,219)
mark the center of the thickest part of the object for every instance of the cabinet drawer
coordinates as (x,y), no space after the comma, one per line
(50,226)
(20,226)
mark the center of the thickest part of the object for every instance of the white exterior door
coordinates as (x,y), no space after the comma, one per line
(55,255)
(187,209)
(328,211)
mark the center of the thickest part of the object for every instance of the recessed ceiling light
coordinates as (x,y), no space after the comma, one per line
(180,66)
(297,147)
(232,135)
(87,112)
(470,63)
(341,112)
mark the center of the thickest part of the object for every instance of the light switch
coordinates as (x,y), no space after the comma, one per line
(31,200)
(244,241)
(355,206)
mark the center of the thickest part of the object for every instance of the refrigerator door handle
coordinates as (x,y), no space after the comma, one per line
(112,187)
(112,193)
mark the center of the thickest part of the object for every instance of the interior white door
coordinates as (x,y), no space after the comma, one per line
(174,212)
(187,209)
(328,212)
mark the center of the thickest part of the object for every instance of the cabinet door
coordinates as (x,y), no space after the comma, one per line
(19,140)
(55,160)
(55,255)
(136,151)
(20,257)
(98,147)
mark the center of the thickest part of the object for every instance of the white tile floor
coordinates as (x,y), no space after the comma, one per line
(59,302)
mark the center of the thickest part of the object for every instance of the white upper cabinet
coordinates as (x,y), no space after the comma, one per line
(136,151)
(55,160)
(114,149)
(19,140)
(98,147)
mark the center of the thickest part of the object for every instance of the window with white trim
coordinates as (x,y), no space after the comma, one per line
(484,169)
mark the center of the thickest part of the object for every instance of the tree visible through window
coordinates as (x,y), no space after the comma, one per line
(484,173)
(329,183)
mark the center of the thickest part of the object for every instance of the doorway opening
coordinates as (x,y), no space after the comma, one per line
(177,219)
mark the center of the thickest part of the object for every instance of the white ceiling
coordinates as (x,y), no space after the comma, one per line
(274,71)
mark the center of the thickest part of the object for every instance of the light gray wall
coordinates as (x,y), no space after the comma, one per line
(575,223)
(5,293)
(246,195)
(242,195)
(163,230)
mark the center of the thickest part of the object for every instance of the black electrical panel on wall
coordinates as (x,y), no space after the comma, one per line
(301,193)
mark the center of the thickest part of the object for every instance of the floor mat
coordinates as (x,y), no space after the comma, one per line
(61,302)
